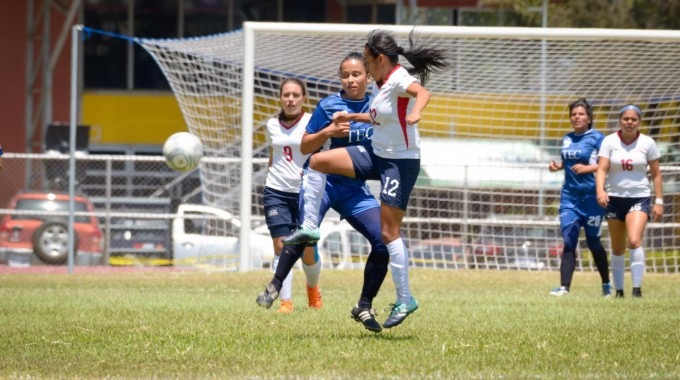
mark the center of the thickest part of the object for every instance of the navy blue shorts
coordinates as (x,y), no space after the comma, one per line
(618,207)
(397,176)
(585,212)
(281,211)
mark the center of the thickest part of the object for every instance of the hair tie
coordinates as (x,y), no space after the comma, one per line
(400,50)
(631,107)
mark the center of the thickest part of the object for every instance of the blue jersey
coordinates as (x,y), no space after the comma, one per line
(360,133)
(580,149)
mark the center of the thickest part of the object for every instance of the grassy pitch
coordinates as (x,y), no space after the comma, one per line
(471,324)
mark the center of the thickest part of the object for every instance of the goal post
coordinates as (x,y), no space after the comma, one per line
(495,119)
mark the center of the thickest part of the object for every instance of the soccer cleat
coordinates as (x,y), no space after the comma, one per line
(559,292)
(399,312)
(302,236)
(367,317)
(607,289)
(286,307)
(314,298)
(637,292)
(268,296)
(619,293)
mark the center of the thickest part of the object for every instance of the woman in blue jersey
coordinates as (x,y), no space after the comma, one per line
(393,156)
(578,202)
(350,197)
(623,188)
(282,187)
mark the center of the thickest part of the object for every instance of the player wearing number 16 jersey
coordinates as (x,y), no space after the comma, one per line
(624,158)
(578,204)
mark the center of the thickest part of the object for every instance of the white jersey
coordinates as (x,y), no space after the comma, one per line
(285,173)
(627,177)
(392,137)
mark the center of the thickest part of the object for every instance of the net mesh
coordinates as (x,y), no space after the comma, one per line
(496,118)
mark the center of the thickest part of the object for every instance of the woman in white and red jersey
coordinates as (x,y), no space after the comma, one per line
(282,186)
(623,189)
(393,156)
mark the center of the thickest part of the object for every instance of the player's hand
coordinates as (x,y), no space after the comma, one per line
(338,130)
(657,212)
(579,169)
(341,117)
(554,166)
(413,118)
(602,199)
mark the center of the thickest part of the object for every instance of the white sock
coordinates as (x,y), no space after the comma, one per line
(618,269)
(312,273)
(286,292)
(637,266)
(399,269)
(313,187)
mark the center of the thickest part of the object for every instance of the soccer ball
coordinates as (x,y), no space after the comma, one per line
(182,151)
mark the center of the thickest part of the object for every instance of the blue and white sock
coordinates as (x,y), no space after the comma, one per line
(312,272)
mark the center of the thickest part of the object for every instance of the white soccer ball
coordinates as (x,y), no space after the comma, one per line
(182,151)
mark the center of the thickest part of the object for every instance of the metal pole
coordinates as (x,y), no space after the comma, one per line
(72,146)
(544,85)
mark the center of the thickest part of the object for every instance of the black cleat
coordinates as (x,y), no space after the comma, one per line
(268,296)
(367,317)
(619,293)
(637,292)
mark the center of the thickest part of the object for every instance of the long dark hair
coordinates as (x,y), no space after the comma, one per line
(299,82)
(586,106)
(424,57)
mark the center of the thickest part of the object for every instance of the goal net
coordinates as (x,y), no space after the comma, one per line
(485,198)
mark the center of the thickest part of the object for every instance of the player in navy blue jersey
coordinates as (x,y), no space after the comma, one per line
(350,197)
(578,203)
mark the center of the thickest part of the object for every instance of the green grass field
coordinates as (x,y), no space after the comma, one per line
(471,324)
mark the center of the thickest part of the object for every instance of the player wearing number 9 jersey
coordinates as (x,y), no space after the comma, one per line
(578,203)
(623,189)
(282,186)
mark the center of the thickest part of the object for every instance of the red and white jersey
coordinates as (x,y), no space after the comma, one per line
(392,137)
(285,173)
(627,177)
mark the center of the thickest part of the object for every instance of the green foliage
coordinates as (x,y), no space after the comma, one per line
(471,324)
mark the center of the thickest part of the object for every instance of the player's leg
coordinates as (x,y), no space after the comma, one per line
(286,290)
(311,265)
(334,161)
(280,209)
(569,227)
(368,224)
(616,214)
(593,216)
(636,221)
(398,177)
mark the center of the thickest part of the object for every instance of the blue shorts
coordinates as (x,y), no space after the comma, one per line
(348,199)
(584,212)
(618,207)
(281,211)
(397,176)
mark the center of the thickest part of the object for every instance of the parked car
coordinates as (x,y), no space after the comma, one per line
(516,247)
(42,237)
(134,240)
(444,253)
(204,235)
